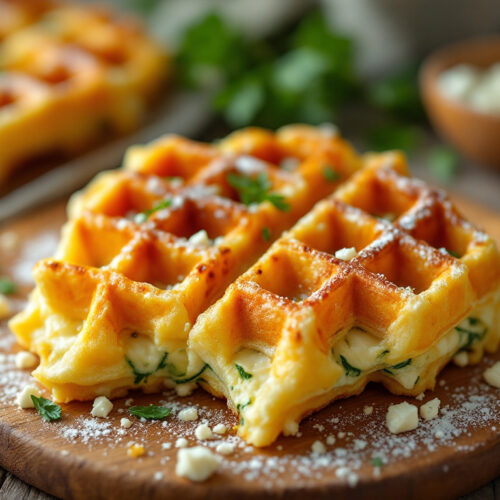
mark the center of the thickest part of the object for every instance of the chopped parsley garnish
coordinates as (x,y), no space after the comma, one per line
(256,190)
(266,233)
(7,287)
(150,412)
(443,163)
(398,366)
(416,381)
(350,370)
(453,253)
(243,374)
(468,336)
(240,406)
(329,174)
(143,216)
(143,376)
(193,377)
(402,364)
(377,462)
(47,409)
(383,353)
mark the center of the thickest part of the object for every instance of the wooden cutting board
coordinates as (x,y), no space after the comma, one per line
(81,457)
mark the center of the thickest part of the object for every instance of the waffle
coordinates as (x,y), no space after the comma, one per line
(152,245)
(69,74)
(382,281)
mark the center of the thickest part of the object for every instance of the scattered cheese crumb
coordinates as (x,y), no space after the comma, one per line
(136,451)
(346,253)
(420,397)
(184,389)
(341,435)
(187,414)
(158,476)
(24,397)
(166,446)
(430,410)
(25,359)
(196,464)
(225,448)
(318,447)
(368,410)
(461,359)
(200,238)
(125,422)
(181,443)
(439,434)
(330,440)
(291,428)
(220,429)
(492,375)
(402,417)
(102,407)
(203,432)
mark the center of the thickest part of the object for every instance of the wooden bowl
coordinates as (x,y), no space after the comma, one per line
(475,134)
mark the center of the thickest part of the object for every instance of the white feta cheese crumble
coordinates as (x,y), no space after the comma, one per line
(200,239)
(184,389)
(25,360)
(203,432)
(196,464)
(225,448)
(158,476)
(461,359)
(318,447)
(402,417)
(102,407)
(188,414)
(420,396)
(126,423)
(492,375)
(430,410)
(368,410)
(181,443)
(330,440)
(24,397)
(346,253)
(220,429)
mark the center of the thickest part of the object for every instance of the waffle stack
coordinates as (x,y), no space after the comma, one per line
(151,246)
(69,75)
(382,281)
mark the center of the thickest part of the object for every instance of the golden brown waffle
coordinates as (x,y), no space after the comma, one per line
(151,246)
(383,281)
(70,74)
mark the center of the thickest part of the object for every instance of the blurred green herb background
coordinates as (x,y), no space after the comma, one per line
(305,75)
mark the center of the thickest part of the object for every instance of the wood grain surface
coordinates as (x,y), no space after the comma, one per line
(81,457)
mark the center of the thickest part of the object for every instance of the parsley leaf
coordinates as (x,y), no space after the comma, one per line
(193,377)
(7,287)
(240,406)
(47,409)
(256,190)
(150,412)
(329,174)
(350,370)
(443,164)
(394,136)
(266,233)
(143,376)
(243,374)
(402,364)
(377,462)
(143,216)
(453,253)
